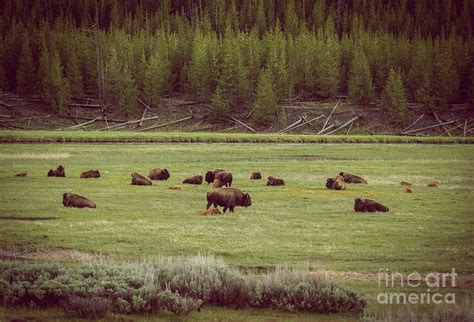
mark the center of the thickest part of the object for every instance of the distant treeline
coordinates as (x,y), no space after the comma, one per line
(230,52)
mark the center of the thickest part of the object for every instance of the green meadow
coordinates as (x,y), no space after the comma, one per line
(301,224)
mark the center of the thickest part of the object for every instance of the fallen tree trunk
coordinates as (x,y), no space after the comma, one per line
(83,124)
(291,125)
(242,123)
(164,124)
(343,125)
(304,123)
(409,126)
(129,122)
(84,105)
(330,114)
(427,127)
(439,121)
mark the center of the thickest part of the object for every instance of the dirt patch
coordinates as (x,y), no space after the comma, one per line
(60,255)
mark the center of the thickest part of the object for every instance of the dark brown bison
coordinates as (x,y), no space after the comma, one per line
(350,178)
(211,175)
(274,181)
(21,174)
(223,178)
(336,183)
(90,174)
(368,205)
(73,200)
(59,172)
(193,180)
(139,180)
(255,176)
(406,183)
(158,174)
(228,198)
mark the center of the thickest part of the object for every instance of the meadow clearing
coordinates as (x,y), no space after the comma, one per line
(301,224)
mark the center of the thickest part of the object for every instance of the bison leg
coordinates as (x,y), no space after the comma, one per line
(225,209)
(231,208)
(209,204)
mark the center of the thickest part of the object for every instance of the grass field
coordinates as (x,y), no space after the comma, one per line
(301,224)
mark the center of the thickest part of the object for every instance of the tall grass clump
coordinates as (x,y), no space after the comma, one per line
(181,287)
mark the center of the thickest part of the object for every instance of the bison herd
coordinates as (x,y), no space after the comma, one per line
(223,194)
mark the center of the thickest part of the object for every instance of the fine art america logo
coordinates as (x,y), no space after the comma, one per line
(434,282)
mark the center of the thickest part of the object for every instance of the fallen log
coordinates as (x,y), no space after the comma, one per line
(242,123)
(427,127)
(326,129)
(91,118)
(343,125)
(83,124)
(439,121)
(291,125)
(304,123)
(85,105)
(10,127)
(129,122)
(330,114)
(409,126)
(164,124)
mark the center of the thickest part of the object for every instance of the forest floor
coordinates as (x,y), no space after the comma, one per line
(30,114)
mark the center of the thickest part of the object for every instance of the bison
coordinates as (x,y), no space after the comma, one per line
(255,176)
(158,174)
(90,174)
(21,174)
(433,184)
(193,180)
(228,198)
(274,181)
(139,180)
(59,172)
(351,178)
(368,205)
(211,212)
(73,200)
(211,175)
(336,183)
(223,178)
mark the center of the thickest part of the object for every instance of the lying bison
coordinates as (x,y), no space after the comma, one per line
(368,205)
(59,172)
(211,175)
(193,180)
(73,200)
(139,180)
(350,178)
(158,174)
(90,174)
(228,198)
(336,183)
(21,174)
(274,181)
(223,178)
(211,212)
(255,176)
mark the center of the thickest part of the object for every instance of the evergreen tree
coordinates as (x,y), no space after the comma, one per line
(73,74)
(291,19)
(25,80)
(394,97)
(127,92)
(219,106)
(360,87)
(328,60)
(156,77)
(318,14)
(265,102)
(55,86)
(260,20)
(444,79)
(277,63)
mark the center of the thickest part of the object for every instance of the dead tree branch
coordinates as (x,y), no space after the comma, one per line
(242,123)
(427,127)
(439,121)
(344,125)
(165,124)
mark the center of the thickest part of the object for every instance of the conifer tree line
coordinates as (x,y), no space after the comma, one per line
(234,52)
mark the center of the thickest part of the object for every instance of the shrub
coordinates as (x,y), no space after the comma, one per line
(177,304)
(87,308)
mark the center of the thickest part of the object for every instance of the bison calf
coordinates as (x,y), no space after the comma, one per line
(274,181)
(368,205)
(255,176)
(90,174)
(59,172)
(193,180)
(139,180)
(158,174)
(211,212)
(336,183)
(21,174)
(223,178)
(73,200)
(350,178)
(228,198)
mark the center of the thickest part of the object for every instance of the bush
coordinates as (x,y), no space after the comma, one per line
(177,304)
(87,308)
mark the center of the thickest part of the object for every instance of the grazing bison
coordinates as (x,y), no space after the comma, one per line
(139,180)
(59,172)
(368,205)
(73,200)
(350,178)
(255,176)
(274,181)
(90,174)
(336,183)
(193,180)
(406,183)
(158,174)
(211,212)
(21,174)
(223,178)
(433,184)
(211,175)
(228,198)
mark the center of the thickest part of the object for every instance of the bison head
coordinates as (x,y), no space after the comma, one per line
(329,183)
(247,201)
(210,176)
